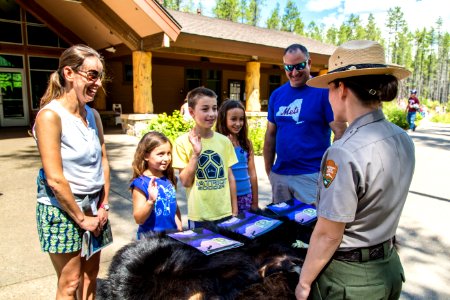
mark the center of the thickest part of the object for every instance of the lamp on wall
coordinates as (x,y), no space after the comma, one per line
(111,49)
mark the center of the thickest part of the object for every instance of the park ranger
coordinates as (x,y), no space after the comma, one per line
(365,178)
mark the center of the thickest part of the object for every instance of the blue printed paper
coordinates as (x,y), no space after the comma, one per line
(250,225)
(295,210)
(204,240)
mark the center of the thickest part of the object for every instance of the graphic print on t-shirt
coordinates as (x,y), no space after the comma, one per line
(293,110)
(166,195)
(210,171)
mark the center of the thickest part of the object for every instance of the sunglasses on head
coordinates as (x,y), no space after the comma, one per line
(92,75)
(298,67)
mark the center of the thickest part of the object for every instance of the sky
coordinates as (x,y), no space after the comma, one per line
(419,14)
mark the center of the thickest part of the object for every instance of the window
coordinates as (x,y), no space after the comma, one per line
(11,61)
(213,81)
(40,70)
(274,83)
(10,22)
(40,35)
(193,78)
(237,89)
(127,73)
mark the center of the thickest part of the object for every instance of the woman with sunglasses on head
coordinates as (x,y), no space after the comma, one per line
(365,178)
(73,185)
(298,131)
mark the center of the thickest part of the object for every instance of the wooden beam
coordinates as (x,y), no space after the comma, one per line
(220,55)
(30,50)
(161,17)
(111,20)
(156,41)
(42,15)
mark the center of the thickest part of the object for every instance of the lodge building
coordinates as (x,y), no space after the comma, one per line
(153,56)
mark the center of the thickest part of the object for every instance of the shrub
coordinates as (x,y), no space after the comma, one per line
(395,114)
(256,132)
(444,118)
(171,126)
(257,137)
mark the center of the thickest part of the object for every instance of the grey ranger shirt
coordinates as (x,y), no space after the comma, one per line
(365,178)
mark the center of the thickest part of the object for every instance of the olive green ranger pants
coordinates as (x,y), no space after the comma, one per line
(373,279)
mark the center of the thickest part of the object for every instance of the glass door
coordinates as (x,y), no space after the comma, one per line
(13,98)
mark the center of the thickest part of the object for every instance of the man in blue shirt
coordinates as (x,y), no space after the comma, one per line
(299,127)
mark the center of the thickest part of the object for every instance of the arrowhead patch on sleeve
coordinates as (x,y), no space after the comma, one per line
(329,173)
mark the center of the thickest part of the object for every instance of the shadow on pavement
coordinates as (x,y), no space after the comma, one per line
(430,196)
(433,135)
(415,249)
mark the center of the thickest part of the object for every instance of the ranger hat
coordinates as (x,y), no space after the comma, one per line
(356,58)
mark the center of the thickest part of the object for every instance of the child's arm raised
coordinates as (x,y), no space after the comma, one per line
(232,182)
(143,207)
(187,175)
(253,179)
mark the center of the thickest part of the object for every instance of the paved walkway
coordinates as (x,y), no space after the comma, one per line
(28,273)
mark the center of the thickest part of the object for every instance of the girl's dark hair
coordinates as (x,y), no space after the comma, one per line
(371,89)
(221,124)
(197,93)
(148,142)
(72,57)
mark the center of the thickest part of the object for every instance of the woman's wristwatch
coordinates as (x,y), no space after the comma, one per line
(105,206)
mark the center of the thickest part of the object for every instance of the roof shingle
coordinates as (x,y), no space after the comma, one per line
(227,30)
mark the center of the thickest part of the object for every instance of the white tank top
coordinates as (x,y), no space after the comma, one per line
(81,153)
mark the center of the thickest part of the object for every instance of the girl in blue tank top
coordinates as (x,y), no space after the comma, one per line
(153,186)
(232,123)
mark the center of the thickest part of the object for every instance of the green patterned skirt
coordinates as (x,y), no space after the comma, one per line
(58,233)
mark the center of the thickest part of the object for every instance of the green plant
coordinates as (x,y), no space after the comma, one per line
(256,132)
(444,118)
(432,105)
(395,114)
(256,135)
(171,126)
(174,125)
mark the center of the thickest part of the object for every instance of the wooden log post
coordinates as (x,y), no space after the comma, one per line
(252,86)
(100,99)
(142,82)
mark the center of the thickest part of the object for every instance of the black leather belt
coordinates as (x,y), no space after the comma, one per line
(366,254)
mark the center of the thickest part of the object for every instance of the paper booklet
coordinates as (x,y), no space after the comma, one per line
(204,240)
(250,225)
(91,244)
(295,210)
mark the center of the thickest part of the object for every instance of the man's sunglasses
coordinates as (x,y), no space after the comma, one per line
(92,75)
(298,67)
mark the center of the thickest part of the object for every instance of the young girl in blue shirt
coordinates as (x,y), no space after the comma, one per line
(232,122)
(153,186)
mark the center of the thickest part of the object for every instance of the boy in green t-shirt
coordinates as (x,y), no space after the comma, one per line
(204,159)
